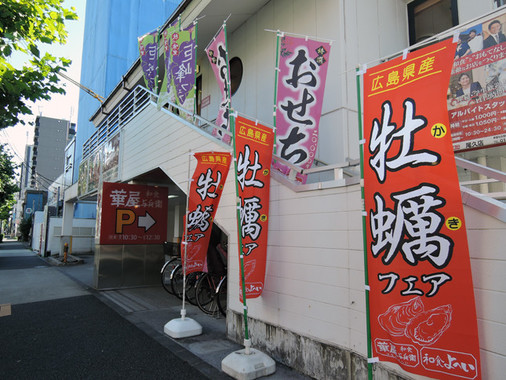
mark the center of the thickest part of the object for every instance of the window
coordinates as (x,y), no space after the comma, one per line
(198,90)
(429,17)
(499,3)
(235,67)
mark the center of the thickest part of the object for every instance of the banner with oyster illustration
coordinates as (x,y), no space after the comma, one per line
(421,302)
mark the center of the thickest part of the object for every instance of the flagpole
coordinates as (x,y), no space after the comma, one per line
(364,235)
(276,89)
(155,90)
(239,238)
(195,95)
(184,327)
(183,310)
(300,35)
(229,92)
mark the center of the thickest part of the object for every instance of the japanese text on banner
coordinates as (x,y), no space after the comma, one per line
(301,83)
(253,144)
(205,192)
(422,313)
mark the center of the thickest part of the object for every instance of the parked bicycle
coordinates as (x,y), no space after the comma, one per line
(207,289)
(211,294)
(211,288)
(172,250)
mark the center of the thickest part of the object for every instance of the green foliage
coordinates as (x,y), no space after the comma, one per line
(25,24)
(7,186)
(24,228)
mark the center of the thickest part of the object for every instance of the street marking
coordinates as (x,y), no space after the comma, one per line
(5,310)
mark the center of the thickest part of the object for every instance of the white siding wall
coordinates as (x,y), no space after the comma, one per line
(315,281)
(487,239)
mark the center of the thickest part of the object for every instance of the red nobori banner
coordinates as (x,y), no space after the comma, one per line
(132,214)
(205,193)
(299,98)
(422,310)
(253,147)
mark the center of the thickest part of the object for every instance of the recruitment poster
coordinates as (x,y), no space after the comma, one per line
(477,90)
(253,149)
(205,192)
(422,309)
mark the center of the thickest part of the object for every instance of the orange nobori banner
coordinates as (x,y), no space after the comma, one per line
(205,193)
(253,147)
(421,301)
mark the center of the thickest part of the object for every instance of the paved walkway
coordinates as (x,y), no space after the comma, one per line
(61,327)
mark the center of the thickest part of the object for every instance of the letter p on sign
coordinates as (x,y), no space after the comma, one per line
(124,217)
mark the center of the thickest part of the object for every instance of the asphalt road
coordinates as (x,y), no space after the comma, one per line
(72,337)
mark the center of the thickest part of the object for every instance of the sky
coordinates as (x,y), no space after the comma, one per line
(59,106)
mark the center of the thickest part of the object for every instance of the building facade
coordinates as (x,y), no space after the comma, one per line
(51,136)
(312,313)
(110,48)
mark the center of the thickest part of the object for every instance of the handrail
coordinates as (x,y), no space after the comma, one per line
(488,203)
(140,97)
(129,107)
(481,169)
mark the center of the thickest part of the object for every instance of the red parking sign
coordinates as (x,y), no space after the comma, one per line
(133,214)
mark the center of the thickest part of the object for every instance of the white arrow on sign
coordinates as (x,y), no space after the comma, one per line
(146,221)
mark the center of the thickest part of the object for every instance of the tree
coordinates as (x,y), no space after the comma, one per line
(7,186)
(24,25)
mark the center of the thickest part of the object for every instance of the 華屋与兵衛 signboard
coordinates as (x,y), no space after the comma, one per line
(133,214)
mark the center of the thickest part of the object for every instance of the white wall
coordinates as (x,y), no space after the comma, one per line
(83,235)
(315,282)
(38,222)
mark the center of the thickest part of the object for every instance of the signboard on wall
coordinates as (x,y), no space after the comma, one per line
(132,214)
(102,165)
(477,91)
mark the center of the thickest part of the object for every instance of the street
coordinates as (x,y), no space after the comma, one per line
(58,329)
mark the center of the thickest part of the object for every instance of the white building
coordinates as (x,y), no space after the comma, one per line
(312,314)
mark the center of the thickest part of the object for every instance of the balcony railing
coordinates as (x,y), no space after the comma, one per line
(130,106)
(320,176)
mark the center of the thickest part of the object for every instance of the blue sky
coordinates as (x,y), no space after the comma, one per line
(60,106)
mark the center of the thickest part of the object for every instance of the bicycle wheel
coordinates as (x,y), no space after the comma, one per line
(191,286)
(176,281)
(221,296)
(206,294)
(166,271)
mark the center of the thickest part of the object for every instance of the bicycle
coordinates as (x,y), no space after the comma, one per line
(211,294)
(211,289)
(172,250)
(176,282)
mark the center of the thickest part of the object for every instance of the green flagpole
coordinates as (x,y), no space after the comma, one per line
(155,90)
(229,92)
(239,235)
(276,89)
(195,74)
(364,226)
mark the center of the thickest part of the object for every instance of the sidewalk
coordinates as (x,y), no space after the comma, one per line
(150,308)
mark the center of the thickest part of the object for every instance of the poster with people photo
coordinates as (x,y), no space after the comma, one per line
(477,91)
